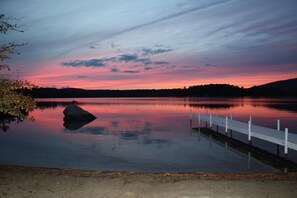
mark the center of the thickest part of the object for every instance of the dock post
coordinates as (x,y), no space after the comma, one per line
(226,125)
(210,121)
(231,118)
(249,132)
(278,128)
(199,120)
(190,113)
(286,143)
(191,117)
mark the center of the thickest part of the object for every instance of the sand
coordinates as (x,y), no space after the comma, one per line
(44,182)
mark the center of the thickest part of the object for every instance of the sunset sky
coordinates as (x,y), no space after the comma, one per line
(136,44)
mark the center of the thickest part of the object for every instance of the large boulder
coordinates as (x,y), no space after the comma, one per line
(74,113)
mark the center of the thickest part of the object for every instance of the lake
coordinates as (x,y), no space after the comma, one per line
(141,135)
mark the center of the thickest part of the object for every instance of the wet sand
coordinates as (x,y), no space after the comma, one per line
(43,182)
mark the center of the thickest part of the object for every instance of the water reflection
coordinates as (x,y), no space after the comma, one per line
(285,104)
(97,130)
(141,135)
(4,124)
(214,106)
(6,121)
(45,105)
(133,135)
(288,107)
(76,124)
(266,157)
(289,104)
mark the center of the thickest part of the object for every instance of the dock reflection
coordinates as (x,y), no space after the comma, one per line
(264,156)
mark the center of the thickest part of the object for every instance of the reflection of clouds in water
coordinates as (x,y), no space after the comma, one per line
(135,134)
(161,143)
(156,141)
(284,107)
(148,126)
(93,130)
(89,130)
(134,121)
(128,135)
(141,134)
(115,124)
(162,129)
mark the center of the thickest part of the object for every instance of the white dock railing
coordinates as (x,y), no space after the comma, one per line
(284,138)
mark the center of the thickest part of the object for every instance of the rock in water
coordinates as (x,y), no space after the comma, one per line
(74,113)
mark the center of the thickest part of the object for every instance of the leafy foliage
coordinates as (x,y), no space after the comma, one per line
(12,101)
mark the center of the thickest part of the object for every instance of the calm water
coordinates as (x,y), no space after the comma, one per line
(140,134)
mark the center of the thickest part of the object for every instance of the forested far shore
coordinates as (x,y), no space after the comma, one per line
(280,88)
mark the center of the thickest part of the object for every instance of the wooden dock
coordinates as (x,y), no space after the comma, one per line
(273,160)
(276,136)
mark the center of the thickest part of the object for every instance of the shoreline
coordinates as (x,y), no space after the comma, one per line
(21,181)
(195,175)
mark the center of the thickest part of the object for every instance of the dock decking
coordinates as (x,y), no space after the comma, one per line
(276,136)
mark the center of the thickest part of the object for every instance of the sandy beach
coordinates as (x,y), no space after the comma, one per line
(43,182)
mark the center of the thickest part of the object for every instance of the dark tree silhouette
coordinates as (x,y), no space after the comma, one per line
(12,101)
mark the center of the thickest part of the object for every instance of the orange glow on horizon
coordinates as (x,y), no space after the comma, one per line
(52,74)
(48,80)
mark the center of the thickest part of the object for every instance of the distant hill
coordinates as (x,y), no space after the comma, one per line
(222,90)
(277,88)
(83,93)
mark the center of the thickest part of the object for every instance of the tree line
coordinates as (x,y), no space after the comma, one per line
(211,90)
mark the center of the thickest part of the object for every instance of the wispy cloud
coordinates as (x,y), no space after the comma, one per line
(153,51)
(85,63)
(159,20)
(211,65)
(81,76)
(161,63)
(102,62)
(132,58)
(127,58)
(116,70)
(162,45)
(131,71)
(95,46)
(188,66)
(148,68)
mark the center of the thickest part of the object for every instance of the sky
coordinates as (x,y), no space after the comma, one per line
(140,44)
